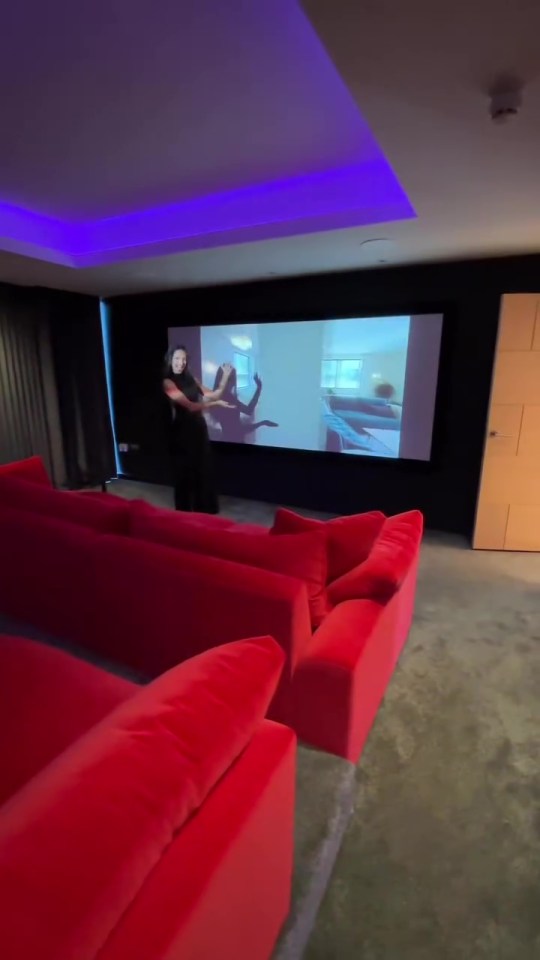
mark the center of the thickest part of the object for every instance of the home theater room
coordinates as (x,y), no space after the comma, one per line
(270,480)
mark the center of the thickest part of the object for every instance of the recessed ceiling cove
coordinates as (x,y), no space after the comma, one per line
(136,129)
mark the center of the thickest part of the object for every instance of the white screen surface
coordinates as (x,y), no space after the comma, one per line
(362,386)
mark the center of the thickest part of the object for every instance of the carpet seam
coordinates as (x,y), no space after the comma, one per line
(297,937)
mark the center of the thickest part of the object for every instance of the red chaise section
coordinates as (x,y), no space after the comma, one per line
(182,796)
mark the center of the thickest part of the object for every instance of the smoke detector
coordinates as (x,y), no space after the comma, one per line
(505,100)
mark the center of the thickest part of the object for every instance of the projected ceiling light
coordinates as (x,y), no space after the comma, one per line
(242,343)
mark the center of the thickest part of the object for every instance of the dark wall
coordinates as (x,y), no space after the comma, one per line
(469,293)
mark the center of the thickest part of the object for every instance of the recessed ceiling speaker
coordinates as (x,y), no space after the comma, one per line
(377,251)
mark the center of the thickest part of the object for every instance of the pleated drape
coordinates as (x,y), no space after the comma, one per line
(53,393)
(29,416)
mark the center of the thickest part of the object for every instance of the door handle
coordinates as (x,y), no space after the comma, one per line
(501,436)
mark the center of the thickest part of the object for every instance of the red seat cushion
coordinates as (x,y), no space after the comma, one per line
(302,557)
(78,842)
(349,538)
(390,559)
(49,699)
(32,469)
(110,515)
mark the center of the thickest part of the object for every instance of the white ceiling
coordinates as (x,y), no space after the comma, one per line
(172,102)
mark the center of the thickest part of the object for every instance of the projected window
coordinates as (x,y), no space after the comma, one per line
(242,365)
(341,374)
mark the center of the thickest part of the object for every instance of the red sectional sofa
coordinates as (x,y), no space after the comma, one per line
(150,588)
(151,823)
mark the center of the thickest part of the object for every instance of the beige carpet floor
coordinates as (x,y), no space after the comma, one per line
(441,860)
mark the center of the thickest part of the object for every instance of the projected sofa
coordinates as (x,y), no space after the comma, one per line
(362,412)
(352,421)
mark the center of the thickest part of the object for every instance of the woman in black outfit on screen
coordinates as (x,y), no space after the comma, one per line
(236,423)
(194,485)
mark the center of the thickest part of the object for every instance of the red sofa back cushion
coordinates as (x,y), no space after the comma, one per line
(47,573)
(108,516)
(302,557)
(141,510)
(349,538)
(391,558)
(159,605)
(78,842)
(48,699)
(32,469)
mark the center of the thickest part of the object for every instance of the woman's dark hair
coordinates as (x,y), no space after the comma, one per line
(167,361)
(185,381)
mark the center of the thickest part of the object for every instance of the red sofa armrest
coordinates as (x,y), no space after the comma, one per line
(338,686)
(222,889)
(162,605)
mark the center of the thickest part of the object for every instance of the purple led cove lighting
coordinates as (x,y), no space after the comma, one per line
(350,196)
(33,235)
(369,185)
(232,95)
(282,52)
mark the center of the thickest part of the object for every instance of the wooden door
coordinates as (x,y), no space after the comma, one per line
(508,509)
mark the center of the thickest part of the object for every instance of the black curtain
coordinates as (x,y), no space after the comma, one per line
(29,414)
(77,347)
(53,393)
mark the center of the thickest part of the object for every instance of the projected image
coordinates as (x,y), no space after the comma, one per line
(244,386)
(356,386)
(362,382)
